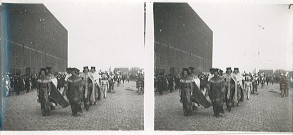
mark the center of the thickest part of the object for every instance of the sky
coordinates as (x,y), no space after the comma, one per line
(102,34)
(249,35)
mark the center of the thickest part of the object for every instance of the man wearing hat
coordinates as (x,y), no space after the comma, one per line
(229,88)
(96,89)
(74,92)
(43,91)
(88,82)
(216,92)
(238,85)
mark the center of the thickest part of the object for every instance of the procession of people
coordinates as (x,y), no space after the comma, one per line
(70,88)
(216,89)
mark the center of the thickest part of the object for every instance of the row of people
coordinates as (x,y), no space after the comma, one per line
(221,88)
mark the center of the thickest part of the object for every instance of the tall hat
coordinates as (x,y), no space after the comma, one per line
(185,69)
(236,69)
(191,68)
(48,68)
(229,68)
(85,67)
(213,70)
(94,68)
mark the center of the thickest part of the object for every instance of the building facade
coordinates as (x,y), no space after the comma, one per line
(182,39)
(34,39)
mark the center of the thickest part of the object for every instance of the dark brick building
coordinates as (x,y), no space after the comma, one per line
(33,38)
(182,39)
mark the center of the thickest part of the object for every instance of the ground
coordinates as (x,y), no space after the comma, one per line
(267,111)
(122,110)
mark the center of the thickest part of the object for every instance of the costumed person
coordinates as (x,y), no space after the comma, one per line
(17,83)
(55,96)
(185,90)
(43,91)
(230,88)
(248,86)
(283,85)
(238,77)
(105,84)
(216,92)
(160,83)
(74,91)
(197,96)
(140,84)
(111,82)
(88,82)
(96,88)
(254,84)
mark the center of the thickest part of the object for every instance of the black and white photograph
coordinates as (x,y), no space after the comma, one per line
(222,66)
(72,65)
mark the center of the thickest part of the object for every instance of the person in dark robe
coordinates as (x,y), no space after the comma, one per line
(17,83)
(185,90)
(43,90)
(74,92)
(55,96)
(27,83)
(216,92)
(197,96)
(160,83)
(123,78)
(171,83)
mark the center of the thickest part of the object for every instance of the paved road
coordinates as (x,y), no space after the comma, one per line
(122,110)
(266,111)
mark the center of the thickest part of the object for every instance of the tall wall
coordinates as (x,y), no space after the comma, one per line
(182,39)
(35,39)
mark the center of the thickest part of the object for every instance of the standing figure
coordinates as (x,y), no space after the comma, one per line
(111,83)
(216,92)
(105,84)
(254,84)
(160,83)
(171,83)
(127,78)
(118,80)
(96,86)
(123,78)
(282,86)
(140,84)
(238,84)
(27,83)
(230,88)
(267,80)
(185,90)
(88,82)
(17,83)
(43,90)
(248,86)
(74,92)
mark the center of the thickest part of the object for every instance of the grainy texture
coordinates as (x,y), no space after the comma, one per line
(267,111)
(122,110)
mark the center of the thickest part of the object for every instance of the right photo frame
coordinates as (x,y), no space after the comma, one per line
(222,67)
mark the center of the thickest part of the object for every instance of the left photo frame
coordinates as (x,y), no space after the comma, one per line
(72,66)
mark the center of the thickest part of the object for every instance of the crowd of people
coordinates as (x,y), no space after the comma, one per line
(70,88)
(230,88)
